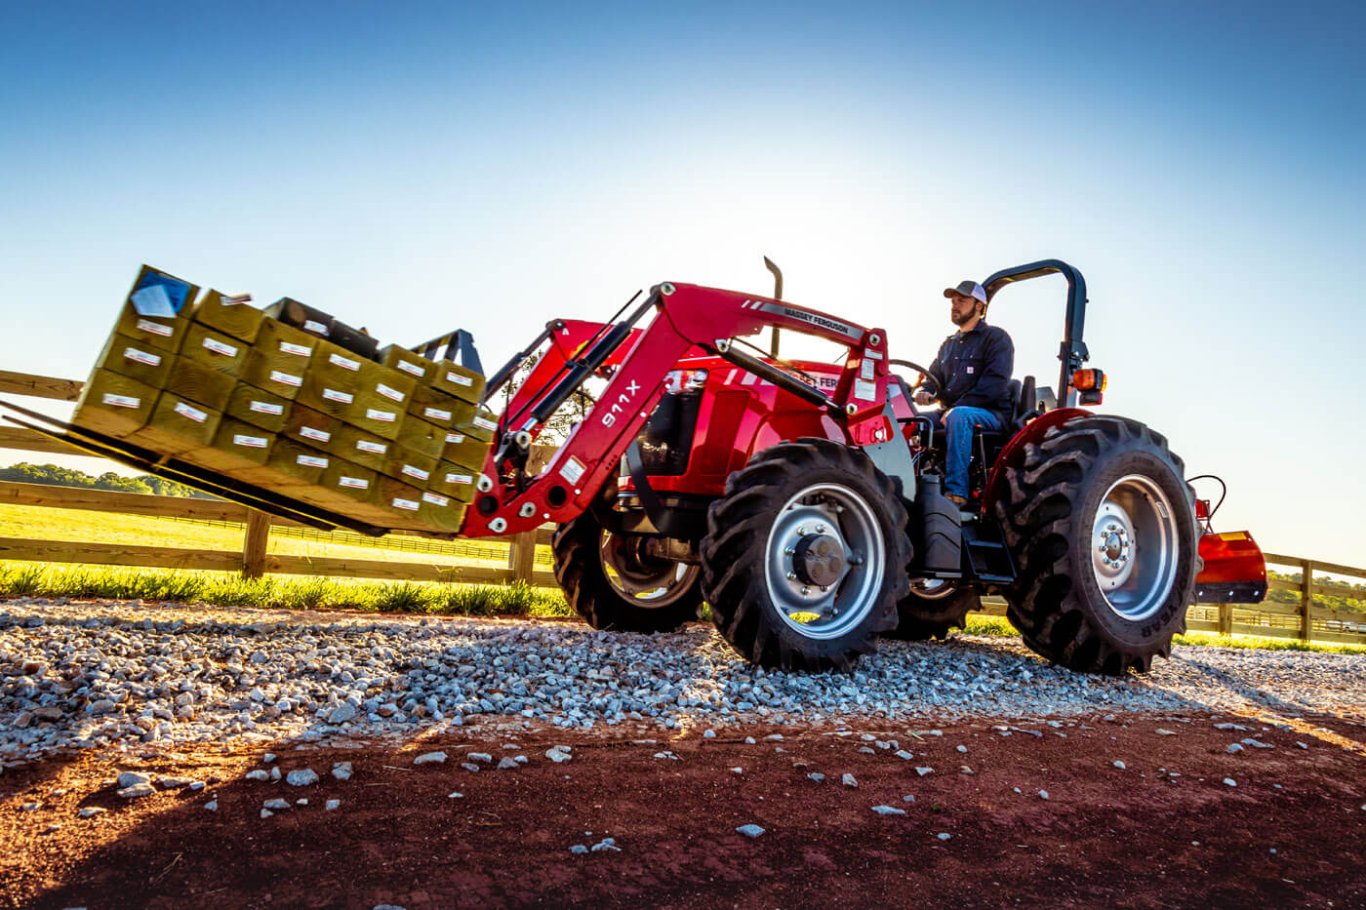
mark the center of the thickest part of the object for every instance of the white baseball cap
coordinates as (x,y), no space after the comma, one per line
(968,288)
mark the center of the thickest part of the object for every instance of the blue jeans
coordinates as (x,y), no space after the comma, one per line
(957,424)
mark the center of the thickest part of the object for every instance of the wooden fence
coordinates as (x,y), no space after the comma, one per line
(1304,619)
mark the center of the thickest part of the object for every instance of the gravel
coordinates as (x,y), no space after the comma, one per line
(302,777)
(92,675)
(750,831)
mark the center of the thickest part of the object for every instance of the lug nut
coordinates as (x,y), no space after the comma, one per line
(791,576)
(790,551)
(805,590)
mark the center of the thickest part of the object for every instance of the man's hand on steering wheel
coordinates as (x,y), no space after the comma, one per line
(926,386)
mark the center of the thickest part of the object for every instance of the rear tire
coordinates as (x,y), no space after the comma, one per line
(1102,527)
(925,614)
(626,598)
(806,556)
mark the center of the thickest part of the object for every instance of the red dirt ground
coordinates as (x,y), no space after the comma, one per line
(1105,838)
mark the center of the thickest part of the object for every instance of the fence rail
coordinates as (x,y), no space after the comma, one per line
(1304,619)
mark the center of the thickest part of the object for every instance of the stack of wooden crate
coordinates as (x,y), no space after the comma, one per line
(385,436)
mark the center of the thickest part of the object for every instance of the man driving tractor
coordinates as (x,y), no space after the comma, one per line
(972,378)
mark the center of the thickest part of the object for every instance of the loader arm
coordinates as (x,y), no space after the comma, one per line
(687,320)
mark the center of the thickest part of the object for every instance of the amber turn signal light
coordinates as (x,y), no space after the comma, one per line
(1089,380)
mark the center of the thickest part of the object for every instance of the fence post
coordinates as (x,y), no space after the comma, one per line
(1226,619)
(254,545)
(522,547)
(1306,599)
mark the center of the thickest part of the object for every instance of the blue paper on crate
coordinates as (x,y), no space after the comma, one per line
(159,295)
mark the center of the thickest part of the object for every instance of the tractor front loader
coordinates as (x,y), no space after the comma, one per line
(799,499)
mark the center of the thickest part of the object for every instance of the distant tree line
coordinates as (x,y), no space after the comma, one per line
(52,475)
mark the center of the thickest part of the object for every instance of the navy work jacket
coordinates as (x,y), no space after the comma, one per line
(975,367)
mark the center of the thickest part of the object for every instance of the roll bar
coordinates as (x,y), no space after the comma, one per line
(1072,352)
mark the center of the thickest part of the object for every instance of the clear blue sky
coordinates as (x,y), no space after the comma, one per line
(415,168)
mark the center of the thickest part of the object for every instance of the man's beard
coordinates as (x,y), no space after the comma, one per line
(964,319)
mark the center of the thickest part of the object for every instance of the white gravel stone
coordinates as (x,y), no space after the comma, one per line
(1043,794)
(1118,763)
(258,774)
(91,811)
(137,791)
(332,805)
(579,849)
(817,776)
(557,755)
(211,805)
(481,757)
(342,770)
(944,835)
(302,777)
(131,779)
(1234,748)
(182,675)
(751,831)
(276,805)
(888,810)
(709,733)
(849,780)
(508,764)
(923,770)
(1230,782)
(435,758)
(903,755)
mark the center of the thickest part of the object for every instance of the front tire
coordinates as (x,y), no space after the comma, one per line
(615,586)
(806,556)
(1102,527)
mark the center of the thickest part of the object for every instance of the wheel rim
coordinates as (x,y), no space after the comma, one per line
(647,581)
(932,588)
(824,561)
(1134,544)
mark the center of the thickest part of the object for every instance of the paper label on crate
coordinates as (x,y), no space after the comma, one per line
(391,394)
(374,448)
(218,347)
(311,461)
(266,407)
(865,391)
(573,470)
(121,401)
(416,472)
(133,354)
(193,413)
(411,368)
(235,301)
(338,396)
(484,423)
(381,416)
(250,442)
(346,363)
(286,378)
(354,483)
(436,499)
(455,438)
(155,328)
(297,350)
(436,414)
(866,370)
(315,434)
(464,479)
(408,505)
(458,379)
(317,328)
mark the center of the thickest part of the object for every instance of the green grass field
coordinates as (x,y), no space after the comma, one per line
(42,523)
(19,579)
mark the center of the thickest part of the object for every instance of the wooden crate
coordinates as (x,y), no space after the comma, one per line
(231,315)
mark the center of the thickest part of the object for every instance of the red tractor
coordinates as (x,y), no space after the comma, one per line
(801,500)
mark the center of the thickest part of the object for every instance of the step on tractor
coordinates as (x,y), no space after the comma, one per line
(802,502)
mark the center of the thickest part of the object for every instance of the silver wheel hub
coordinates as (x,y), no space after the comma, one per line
(1134,547)
(636,576)
(825,559)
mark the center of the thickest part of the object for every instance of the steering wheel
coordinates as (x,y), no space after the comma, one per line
(929,379)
